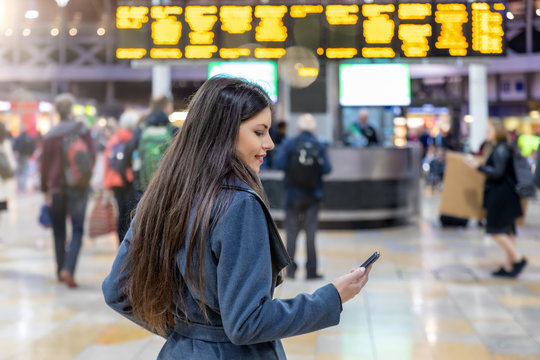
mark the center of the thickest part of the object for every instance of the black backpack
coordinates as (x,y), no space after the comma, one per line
(524,177)
(305,165)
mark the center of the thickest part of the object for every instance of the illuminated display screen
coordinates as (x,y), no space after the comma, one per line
(263,73)
(378,29)
(374,85)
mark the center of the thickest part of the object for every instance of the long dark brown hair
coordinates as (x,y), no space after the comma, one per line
(186,187)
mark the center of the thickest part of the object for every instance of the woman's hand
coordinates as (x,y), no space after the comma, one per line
(349,285)
(472,162)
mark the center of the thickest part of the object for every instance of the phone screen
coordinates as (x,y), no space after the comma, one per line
(371,259)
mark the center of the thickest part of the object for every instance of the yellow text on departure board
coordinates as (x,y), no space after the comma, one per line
(452,17)
(236,19)
(487,30)
(166,28)
(271,27)
(301,11)
(233,53)
(129,53)
(414,37)
(378,29)
(200,51)
(414,11)
(131,17)
(341,53)
(201,20)
(165,53)
(342,14)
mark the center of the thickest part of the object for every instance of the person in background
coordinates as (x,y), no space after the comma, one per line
(158,128)
(361,133)
(24,146)
(202,258)
(67,161)
(6,151)
(304,160)
(278,133)
(118,176)
(501,202)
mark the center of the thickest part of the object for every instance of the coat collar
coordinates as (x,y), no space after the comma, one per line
(279,254)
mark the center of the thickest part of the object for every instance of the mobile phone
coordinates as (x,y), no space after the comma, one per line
(371,259)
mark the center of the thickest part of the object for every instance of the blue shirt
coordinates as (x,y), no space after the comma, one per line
(244,255)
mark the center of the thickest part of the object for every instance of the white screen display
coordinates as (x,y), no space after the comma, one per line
(263,73)
(374,85)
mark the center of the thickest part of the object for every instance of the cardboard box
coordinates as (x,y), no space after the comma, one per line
(463,188)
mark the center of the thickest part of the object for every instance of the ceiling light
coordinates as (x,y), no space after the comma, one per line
(31,14)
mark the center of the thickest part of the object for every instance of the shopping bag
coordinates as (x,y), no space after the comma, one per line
(102,217)
(44,218)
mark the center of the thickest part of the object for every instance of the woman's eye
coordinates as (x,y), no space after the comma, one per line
(259,133)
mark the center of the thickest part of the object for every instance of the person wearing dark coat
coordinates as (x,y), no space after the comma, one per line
(202,258)
(501,201)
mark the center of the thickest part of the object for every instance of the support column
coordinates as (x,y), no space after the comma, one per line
(109,93)
(161,80)
(161,74)
(478,104)
(284,100)
(529,18)
(334,129)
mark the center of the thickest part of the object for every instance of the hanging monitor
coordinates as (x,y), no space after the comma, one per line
(263,73)
(374,85)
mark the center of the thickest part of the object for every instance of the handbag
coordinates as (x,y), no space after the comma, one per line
(102,218)
(44,218)
(6,172)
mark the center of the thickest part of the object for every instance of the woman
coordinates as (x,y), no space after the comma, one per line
(5,149)
(202,257)
(118,176)
(501,202)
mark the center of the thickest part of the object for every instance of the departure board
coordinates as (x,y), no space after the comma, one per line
(332,30)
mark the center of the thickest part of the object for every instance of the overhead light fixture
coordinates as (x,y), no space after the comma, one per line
(26,32)
(73,31)
(55,32)
(62,3)
(101,31)
(510,16)
(538,12)
(31,14)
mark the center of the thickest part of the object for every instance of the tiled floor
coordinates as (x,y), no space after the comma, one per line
(430,296)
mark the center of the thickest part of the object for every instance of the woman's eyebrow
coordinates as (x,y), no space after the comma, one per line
(265,126)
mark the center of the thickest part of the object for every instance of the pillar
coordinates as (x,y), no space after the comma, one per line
(478,104)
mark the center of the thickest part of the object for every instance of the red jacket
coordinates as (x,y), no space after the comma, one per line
(112,178)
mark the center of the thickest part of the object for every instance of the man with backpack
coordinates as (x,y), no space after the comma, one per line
(149,142)
(304,160)
(67,162)
(23,146)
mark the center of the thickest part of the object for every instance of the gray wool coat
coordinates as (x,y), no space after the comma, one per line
(244,258)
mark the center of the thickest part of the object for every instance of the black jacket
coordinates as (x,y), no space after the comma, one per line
(501,202)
